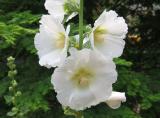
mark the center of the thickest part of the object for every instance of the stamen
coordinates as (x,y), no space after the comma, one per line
(82,77)
(99,33)
(60,42)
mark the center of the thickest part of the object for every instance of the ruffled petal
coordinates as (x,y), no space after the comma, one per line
(112,47)
(105,17)
(108,34)
(47,42)
(51,24)
(55,8)
(62,85)
(80,100)
(44,43)
(52,59)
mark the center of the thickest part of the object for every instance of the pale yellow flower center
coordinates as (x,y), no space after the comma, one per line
(99,35)
(60,42)
(82,77)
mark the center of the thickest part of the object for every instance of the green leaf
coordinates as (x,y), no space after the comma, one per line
(70,112)
(11,113)
(123,62)
(8,99)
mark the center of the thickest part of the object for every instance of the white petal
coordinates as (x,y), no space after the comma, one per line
(105,75)
(105,17)
(72,16)
(68,29)
(52,59)
(112,47)
(116,30)
(117,27)
(45,42)
(79,100)
(101,90)
(55,8)
(82,57)
(114,101)
(51,24)
(114,25)
(62,86)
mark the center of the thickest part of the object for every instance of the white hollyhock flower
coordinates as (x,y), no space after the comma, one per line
(114,101)
(51,42)
(108,34)
(84,79)
(58,8)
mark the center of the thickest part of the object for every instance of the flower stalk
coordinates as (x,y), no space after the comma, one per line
(81,24)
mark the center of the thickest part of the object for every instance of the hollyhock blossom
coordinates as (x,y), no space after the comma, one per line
(85,79)
(59,8)
(108,34)
(114,101)
(51,42)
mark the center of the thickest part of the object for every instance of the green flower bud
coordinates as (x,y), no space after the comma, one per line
(12,66)
(21,114)
(10,63)
(15,72)
(15,109)
(13,100)
(18,93)
(14,83)
(10,74)
(11,59)
(10,88)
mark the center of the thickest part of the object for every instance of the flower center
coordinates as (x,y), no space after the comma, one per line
(60,42)
(82,77)
(99,35)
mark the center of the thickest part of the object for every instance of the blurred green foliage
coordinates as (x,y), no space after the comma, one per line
(139,67)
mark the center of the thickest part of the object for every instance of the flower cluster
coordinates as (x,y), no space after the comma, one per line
(83,77)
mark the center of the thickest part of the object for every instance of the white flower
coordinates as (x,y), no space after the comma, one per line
(57,8)
(114,101)
(84,79)
(51,42)
(108,34)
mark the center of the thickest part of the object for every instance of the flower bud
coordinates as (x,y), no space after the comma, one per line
(10,74)
(10,88)
(14,83)
(21,114)
(13,100)
(10,59)
(15,109)
(18,93)
(15,72)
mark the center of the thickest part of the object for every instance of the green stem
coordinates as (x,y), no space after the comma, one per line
(79,115)
(81,24)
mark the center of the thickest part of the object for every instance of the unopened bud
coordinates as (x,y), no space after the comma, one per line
(21,114)
(15,109)
(13,99)
(10,59)
(15,72)
(10,88)
(14,83)
(10,74)
(18,93)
